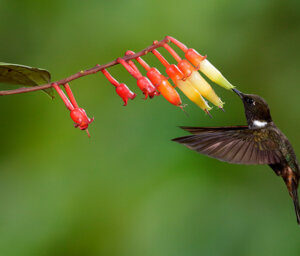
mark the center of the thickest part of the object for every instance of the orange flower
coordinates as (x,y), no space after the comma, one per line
(164,87)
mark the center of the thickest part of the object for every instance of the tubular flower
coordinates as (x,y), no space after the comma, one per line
(201,63)
(78,115)
(164,87)
(124,92)
(146,87)
(199,83)
(80,118)
(186,87)
(143,82)
(160,82)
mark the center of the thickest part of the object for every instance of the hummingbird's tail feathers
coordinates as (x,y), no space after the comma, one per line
(294,195)
(291,180)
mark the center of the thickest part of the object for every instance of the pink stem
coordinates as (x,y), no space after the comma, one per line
(109,77)
(180,45)
(63,96)
(172,52)
(71,95)
(130,62)
(161,58)
(143,63)
(129,68)
(139,60)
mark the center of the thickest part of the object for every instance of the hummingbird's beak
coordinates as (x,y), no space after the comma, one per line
(238,93)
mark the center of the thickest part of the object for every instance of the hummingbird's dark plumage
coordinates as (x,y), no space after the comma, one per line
(261,142)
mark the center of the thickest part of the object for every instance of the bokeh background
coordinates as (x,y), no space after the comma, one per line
(129,190)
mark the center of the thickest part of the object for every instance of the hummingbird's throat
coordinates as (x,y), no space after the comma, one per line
(259,124)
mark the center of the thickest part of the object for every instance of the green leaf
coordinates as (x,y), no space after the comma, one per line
(24,75)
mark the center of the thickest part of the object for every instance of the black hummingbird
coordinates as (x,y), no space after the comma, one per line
(261,142)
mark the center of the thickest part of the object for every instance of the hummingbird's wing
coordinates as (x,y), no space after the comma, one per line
(235,144)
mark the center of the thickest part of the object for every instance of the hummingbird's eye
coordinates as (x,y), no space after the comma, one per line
(249,100)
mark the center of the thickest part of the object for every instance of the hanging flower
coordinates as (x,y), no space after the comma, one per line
(201,63)
(199,83)
(124,92)
(186,87)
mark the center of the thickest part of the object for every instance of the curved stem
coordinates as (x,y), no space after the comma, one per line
(161,58)
(143,63)
(180,45)
(71,95)
(131,63)
(110,78)
(134,67)
(172,52)
(90,71)
(130,70)
(63,96)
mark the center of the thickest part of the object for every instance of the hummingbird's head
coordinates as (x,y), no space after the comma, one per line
(256,109)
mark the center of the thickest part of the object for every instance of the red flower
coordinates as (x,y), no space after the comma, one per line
(80,118)
(147,87)
(124,92)
(142,82)
(77,114)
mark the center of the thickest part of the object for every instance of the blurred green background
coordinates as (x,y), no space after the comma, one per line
(129,190)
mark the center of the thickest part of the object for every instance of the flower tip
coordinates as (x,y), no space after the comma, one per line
(155,93)
(124,92)
(225,83)
(182,107)
(80,118)
(207,112)
(146,87)
(222,109)
(146,95)
(133,96)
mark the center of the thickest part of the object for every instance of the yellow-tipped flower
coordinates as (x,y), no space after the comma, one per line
(199,83)
(186,87)
(201,63)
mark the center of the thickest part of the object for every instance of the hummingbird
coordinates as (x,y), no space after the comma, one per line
(258,143)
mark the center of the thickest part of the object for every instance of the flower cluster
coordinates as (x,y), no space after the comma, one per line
(184,75)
